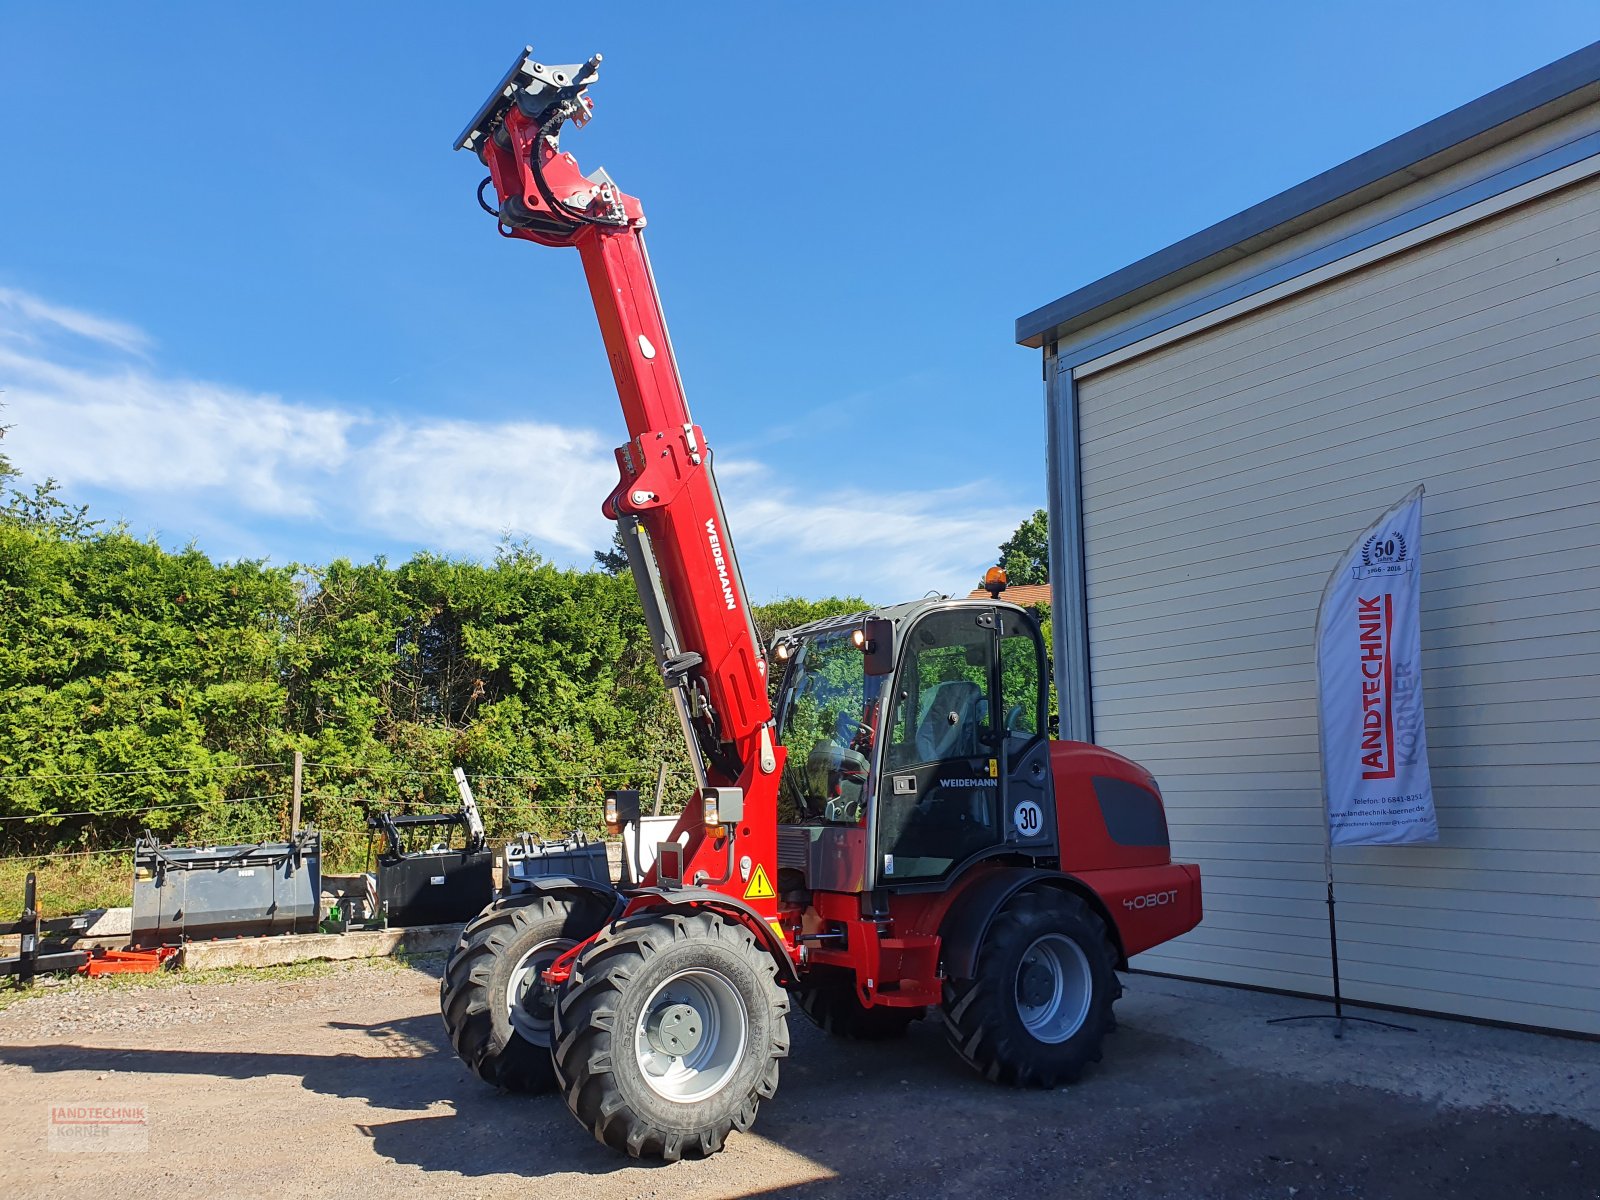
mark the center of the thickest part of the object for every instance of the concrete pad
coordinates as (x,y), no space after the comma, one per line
(108,923)
(304,947)
(103,928)
(343,1085)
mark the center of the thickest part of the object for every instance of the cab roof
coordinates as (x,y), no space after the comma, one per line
(901,614)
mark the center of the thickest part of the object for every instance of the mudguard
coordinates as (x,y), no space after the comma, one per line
(552,885)
(967,923)
(688,898)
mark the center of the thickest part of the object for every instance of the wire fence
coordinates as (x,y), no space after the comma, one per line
(335,799)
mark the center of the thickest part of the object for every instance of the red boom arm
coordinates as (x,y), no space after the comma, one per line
(684,565)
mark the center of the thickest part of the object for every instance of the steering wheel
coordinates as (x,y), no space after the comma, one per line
(846,729)
(1012,715)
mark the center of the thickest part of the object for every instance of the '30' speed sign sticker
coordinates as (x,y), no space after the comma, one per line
(1028,819)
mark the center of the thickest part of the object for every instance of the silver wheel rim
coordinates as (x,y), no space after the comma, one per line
(706,1005)
(1054,975)
(527,1001)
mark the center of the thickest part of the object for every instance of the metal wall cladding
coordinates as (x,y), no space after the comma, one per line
(1223,475)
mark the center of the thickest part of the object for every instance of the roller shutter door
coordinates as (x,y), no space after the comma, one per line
(1223,475)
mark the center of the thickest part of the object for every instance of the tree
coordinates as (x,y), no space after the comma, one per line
(1025,555)
(145,688)
(44,509)
(614,559)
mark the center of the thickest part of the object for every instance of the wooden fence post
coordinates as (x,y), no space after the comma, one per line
(294,821)
(661,787)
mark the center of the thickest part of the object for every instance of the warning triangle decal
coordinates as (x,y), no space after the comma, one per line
(759,887)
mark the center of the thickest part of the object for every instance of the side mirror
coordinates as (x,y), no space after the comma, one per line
(622,807)
(1055,726)
(879,648)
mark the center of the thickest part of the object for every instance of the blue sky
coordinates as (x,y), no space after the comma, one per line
(247,298)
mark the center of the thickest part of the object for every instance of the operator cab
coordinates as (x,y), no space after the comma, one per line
(911,759)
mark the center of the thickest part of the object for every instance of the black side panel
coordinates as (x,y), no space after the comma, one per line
(1028,780)
(435,889)
(1133,815)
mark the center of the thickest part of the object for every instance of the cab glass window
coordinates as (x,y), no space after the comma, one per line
(827,713)
(1021,676)
(938,796)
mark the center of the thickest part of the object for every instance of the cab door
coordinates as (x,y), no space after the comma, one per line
(1028,800)
(939,789)
(964,770)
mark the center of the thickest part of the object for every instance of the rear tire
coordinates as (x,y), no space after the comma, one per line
(829,998)
(496,1018)
(1039,1004)
(669,1034)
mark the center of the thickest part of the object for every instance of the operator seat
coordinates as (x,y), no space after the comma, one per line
(949,729)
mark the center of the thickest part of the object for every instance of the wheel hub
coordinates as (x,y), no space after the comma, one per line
(675,1029)
(1055,988)
(529,1002)
(1036,984)
(690,1035)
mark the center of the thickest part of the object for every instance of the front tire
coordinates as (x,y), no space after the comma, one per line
(496,1012)
(1039,1003)
(669,1034)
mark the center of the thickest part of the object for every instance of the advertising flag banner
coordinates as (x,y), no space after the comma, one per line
(1369,688)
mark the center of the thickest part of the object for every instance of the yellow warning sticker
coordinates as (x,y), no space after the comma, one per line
(994,768)
(759,887)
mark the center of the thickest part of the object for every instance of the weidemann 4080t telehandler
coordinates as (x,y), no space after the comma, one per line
(939,852)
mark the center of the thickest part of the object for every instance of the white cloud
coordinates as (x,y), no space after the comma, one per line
(884,546)
(131,431)
(230,457)
(27,310)
(455,485)
(461,485)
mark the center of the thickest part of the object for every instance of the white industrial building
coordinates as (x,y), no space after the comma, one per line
(1225,416)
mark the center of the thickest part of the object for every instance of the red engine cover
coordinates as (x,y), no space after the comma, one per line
(1113,829)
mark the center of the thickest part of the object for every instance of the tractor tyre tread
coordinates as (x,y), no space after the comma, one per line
(593,1039)
(980,1014)
(472,987)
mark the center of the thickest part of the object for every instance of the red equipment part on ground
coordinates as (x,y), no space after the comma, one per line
(127,962)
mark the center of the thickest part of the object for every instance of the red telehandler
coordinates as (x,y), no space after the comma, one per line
(937,851)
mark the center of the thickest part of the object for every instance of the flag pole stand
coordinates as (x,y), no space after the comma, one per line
(1393,557)
(1338,1013)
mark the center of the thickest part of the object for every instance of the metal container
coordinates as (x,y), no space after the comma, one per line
(225,891)
(528,858)
(435,887)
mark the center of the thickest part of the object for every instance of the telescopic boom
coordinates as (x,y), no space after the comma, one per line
(666,504)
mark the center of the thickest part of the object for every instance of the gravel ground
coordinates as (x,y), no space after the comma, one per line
(339,1084)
